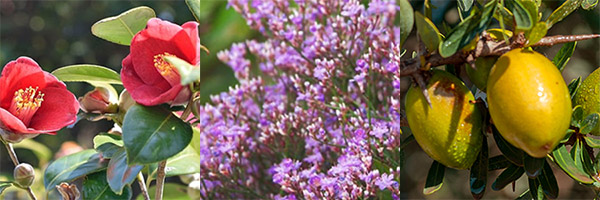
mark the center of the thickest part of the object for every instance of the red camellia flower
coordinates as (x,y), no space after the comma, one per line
(33,101)
(146,75)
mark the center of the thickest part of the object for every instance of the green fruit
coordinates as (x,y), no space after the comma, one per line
(529,101)
(450,130)
(588,96)
(479,76)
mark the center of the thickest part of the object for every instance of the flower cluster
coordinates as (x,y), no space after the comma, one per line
(317,115)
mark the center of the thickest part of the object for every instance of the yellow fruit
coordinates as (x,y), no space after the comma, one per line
(450,130)
(588,96)
(479,76)
(528,101)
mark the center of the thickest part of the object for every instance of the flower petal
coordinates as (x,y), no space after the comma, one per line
(58,110)
(143,93)
(19,74)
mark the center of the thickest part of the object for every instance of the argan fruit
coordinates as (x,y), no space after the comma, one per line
(588,96)
(450,130)
(528,101)
(479,76)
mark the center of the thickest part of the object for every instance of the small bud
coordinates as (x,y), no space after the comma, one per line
(98,101)
(24,175)
(125,101)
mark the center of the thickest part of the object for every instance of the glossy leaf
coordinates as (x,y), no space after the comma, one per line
(588,165)
(95,186)
(107,138)
(577,116)
(533,166)
(466,30)
(548,182)
(563,56)
(87,73)
(153,134)
(509,175)
(180,163)
(498,162)
(119,174)
(188,72)
(120,29)
(4,185)
(589,123)
(573,86)
(511,152)
(523,19)
(567,164)
(537,33)
(406,20)
(73,166)
(592,142)
(589,4)
(478,175)
(108,149)
(194,6)
(429,34)
(563,11)
(435,178)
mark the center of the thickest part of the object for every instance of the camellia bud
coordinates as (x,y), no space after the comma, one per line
(24,175)
(98,101)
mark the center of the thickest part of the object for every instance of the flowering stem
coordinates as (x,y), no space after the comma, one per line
(160,179)
(142,184)
(15,160)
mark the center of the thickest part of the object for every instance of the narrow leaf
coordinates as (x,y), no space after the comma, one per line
(525,195)
(563,56)
(194,6)
(479,171)
(567,164)
(95,186)
(563,11)
(498,162)
(429,34)
(589,123)
(435,178)
(153,134)
(466,30)
(534,185)
(592,142)
(548,182)
(120,29)
(573,86)
(509,175)
(119,174)
(73,166)
(577,116)
(533,166)
(523,19)
(512,153)
(465,4)
(537,33)
(188,72)
(567,135)
(87,73)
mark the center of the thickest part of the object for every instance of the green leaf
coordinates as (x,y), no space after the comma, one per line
(563,11)
(504,16)
(120,29)
(498,162)
(536,33)
(564,55)
(108,149)
(195,143)
(107,138)
(548,182)
(589,4)
(523,19)
(119,174)
(466,30)
(4,185)
(194,6)
(509,175)
(567,135)
(478,175)
(592,142)
(95,186)
(153,134)
(435,178)
(429,34)
(172,191)
(406,20)
(465,5)
(87,73)
(180,163)
(73,166)
(512,153)
(188,72)
(43,153)
(567,164)
(534,185)
(577,116)
(573,86)
(533,166)
(589,123)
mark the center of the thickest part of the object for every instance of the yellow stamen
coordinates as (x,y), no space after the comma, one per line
(25,103)
(164,68)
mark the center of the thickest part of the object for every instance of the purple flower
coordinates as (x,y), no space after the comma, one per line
(385,181)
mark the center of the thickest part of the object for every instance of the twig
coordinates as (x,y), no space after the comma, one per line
(15,160)
(160,180)
(142,184)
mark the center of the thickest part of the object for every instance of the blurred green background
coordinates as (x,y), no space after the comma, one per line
(58,33)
